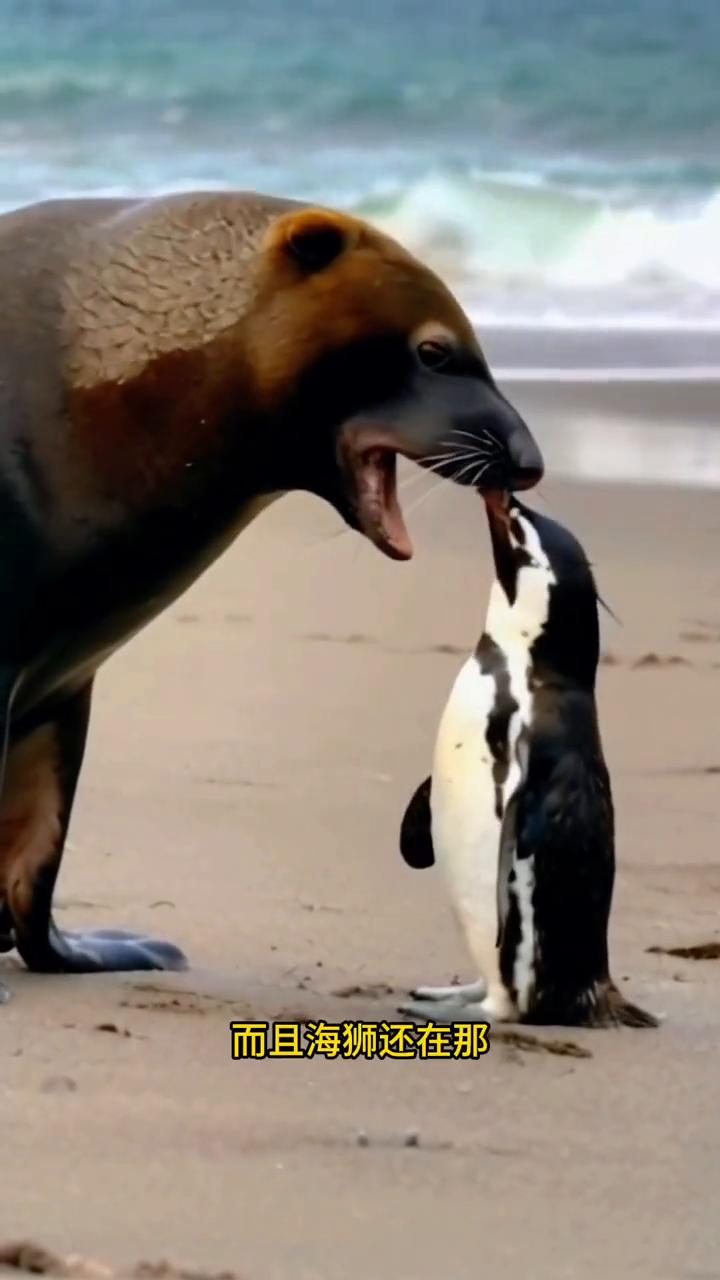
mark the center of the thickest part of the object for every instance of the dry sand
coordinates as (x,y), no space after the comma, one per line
(250,758)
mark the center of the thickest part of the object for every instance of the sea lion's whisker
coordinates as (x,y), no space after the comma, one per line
(430,462)
(481,472)
(479,443)
(421,498)
(434,469)
(458,474)
(410,482)
(481,435)
(453,458)
(457,456)
(444,467)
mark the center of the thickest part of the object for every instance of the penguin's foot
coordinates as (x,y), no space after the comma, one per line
(447,1012)
(471,1003)
(102,951)
(619,1012)
(467,993)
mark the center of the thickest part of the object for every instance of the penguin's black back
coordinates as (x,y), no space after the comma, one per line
(563,818)
(569,645)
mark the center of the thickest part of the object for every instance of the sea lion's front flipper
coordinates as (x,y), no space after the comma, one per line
(416,844)
(41,772)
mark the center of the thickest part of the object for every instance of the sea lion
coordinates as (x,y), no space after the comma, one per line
(168,367)
(518,810)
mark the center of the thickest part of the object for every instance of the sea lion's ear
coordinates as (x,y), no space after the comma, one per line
(314,238)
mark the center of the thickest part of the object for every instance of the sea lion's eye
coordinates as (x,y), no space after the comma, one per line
(435,355)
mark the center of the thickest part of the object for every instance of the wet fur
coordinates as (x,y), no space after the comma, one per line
(169,367)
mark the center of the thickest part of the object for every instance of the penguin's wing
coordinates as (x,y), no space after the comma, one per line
(508,838)
(506,857)
(565,820)
(416,844)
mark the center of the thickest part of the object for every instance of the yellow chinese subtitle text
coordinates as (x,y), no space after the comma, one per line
(358,1040)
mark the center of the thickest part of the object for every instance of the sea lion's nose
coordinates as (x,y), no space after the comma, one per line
(526,461)
(514,460)
(522,454)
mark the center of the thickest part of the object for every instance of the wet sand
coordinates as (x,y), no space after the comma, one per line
(250,758)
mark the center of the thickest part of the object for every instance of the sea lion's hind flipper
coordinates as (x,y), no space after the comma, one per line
(416,845)
(41,774)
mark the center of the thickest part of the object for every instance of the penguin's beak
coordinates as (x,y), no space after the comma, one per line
(497,502)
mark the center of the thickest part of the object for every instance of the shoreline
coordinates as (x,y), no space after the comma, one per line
(615,352)
(645,430)
(251,755)
(690,375)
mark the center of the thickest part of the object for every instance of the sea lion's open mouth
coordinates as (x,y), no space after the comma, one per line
(370,464)
(379,513)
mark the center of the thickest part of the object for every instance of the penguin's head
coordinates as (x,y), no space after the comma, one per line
(547,579)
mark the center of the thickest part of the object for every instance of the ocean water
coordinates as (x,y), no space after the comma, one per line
(557,161)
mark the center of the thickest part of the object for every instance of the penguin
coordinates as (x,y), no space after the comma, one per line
(518,811)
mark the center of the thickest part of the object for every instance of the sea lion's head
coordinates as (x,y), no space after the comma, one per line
(360,354)
(227,346)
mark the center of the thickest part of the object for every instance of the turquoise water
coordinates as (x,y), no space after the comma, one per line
(556,160)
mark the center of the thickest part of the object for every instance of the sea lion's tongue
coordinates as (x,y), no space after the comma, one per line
(379,513)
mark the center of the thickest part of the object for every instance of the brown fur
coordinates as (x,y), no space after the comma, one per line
(167,368)
(152,317)
(30,823)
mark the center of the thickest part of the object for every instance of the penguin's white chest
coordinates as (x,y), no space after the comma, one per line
(463,788)
(475,772)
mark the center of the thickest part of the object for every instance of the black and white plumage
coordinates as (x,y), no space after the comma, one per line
(518,810)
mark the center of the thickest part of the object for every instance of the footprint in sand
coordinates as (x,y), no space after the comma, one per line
(700,951)
(657,660)
(322,637)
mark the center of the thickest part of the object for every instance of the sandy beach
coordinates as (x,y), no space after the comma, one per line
(250,757)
